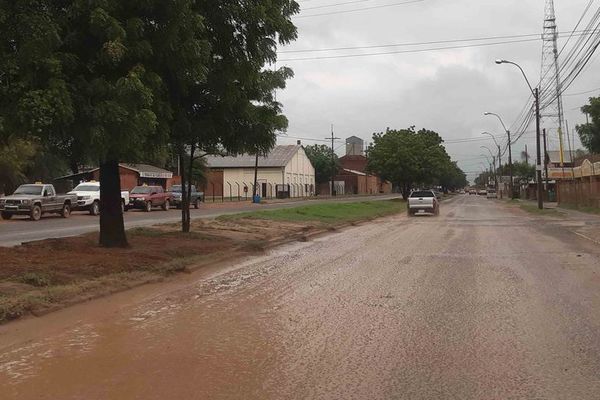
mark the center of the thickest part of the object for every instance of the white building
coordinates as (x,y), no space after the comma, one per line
(285,171)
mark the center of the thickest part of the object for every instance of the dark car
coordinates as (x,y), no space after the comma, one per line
(35,200)
(146,197)
(195,197)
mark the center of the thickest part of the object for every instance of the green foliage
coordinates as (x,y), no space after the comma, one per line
(328,212)
(521,171)
(409,158)
(16,156)
(589,133)
(320,157)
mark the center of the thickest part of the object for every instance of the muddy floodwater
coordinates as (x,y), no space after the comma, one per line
(483,302)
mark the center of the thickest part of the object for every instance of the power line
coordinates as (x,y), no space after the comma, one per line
(359,9)
(578,94)
(519,36)
(334,5)
(408,51)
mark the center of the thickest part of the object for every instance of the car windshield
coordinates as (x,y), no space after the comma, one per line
(87,188)
(141,190)
(176,188)
(29,189)
(422,193)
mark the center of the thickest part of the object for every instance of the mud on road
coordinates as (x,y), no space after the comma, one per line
(480,303)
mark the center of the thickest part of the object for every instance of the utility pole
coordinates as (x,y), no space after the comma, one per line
(526,155)
(538,167)
(510,166)
(545,160)
(333,166)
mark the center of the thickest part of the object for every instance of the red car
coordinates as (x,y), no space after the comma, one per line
(146,197)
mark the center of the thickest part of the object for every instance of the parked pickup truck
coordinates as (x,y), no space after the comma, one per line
(35,200)
(146,197)
(195,197)
(88,197)
(423,201)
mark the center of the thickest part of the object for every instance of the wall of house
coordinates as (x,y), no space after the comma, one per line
(353,162)
(300,174)
(236,179)
(129,178)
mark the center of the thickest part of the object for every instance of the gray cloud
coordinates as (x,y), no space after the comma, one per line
(447,91)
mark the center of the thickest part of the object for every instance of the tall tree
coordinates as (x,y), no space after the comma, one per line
(320,157)
(233,109)
(408,158)
(589,133)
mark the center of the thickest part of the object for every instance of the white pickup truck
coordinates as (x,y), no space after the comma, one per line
(88,197)
(423,201)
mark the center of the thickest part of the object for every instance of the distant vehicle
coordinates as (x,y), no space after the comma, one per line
(423,201)
(462,191)
(472,191)
(195,197)
(88,197)
(146,197)
(482,192)
(35,200)
(491,194)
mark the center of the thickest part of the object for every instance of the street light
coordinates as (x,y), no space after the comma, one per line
(493,163)
(498,146)
(536,95)
(510,165)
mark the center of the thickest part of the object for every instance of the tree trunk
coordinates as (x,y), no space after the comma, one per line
(185,222)
(189,187)
(405,188)
(112,227)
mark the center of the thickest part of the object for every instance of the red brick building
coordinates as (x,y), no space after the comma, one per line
(131,176)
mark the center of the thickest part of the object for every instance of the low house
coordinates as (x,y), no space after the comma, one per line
(285,172)
(356,179)
(131,176)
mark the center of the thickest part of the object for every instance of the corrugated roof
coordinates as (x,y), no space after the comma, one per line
(146,168)
(280,156)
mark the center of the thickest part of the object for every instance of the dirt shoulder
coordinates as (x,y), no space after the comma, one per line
(42,276)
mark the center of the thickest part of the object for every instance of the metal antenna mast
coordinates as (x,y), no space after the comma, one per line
(552,113)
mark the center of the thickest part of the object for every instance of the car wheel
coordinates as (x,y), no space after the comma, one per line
(65,212)
(6,215)
(36,213)
(148,207)
(166,205)
(197,203)
(95,208)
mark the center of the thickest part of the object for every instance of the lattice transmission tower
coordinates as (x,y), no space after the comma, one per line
(550,84)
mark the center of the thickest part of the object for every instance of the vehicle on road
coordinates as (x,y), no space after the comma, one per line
(462,192)
(88,197)
(36,200)
(423,201)
(482,192)
(491,194)
(196,197)
(472,191)
(146,197)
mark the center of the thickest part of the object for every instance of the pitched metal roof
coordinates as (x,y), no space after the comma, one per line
(148,170)
(280,156)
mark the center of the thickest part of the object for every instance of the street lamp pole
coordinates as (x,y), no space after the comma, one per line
(498,146)
(536,95)
(510,164)
(495,171)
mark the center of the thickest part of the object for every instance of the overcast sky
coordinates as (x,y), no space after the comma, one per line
(447,91)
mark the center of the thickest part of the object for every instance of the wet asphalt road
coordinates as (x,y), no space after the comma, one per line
(20,229)
(479,303)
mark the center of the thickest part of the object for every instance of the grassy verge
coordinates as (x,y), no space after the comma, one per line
(587,210)
(533,209)
(334,213)
(47,275)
